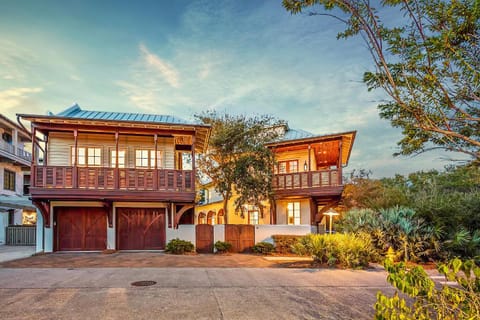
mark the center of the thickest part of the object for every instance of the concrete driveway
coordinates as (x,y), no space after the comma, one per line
(9,253)
(189,293)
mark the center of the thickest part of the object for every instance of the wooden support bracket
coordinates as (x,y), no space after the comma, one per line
(44,207)
(180,213)
(108,206)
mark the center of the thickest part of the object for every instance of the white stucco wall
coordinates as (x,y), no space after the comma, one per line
(18,179)
(184,232)
(304,211)
(218,233)
(3,225)
(264,232)
(40,229)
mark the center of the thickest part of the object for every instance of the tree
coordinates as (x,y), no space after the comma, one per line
(428,65)
(237,158)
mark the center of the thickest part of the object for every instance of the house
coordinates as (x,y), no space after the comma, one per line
(15,208)
(307,182)
(111,180)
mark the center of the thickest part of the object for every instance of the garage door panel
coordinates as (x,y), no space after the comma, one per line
(141,228)
(81,229)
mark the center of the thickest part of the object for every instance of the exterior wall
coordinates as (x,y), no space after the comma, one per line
(304,211)
(60,148)
(18,179)
(3,225)
(300,155)
(40,232)
(184,232)
(265,232)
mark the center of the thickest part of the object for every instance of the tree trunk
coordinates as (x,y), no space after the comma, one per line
(225,210)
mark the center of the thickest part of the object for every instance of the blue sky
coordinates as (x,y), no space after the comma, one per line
(182,57)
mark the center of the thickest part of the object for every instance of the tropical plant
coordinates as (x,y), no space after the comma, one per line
(426,300)
(222,246)
(263,247)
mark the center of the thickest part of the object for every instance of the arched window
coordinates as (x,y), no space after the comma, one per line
(202,218)
(220,217)
(211,217)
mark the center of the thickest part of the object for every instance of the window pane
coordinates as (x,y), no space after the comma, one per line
(293,166)
(141,158)
(253,217)
(81,161)
(94,156)
(282,167)
(121,158)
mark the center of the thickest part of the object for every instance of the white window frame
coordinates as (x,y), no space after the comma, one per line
(293,213)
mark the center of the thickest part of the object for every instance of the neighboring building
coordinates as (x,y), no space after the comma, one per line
(307,182)
(111,180)
(15,207)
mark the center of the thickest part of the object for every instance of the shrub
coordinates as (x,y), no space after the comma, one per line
(348,250)
(263,248)
(222,246)
(177,246)
(284,243)
(427,301)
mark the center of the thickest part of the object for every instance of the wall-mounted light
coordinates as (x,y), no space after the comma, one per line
(305,167)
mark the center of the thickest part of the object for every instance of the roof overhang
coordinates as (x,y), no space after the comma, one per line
(56,123)
(15,202)
(347,139)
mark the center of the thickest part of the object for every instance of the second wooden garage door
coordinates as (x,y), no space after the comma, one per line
(140,228)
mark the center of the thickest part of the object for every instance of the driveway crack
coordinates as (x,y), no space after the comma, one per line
(214,294)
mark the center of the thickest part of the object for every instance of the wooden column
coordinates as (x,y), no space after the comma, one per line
(340,163)
(116,171)
(155,173)
(34,141)
(75,159)
(309,177)
(193,163)
(45,156)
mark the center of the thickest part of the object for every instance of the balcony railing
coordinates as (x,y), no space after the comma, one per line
(19,152)
(105,178)
(307,180)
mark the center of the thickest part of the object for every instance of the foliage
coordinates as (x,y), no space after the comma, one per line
(237,158)
(429,301)
(285,242)
(177,246)
(348,250)
(397,228)
(427,62)
(448,202)
(263,248)
(222,246)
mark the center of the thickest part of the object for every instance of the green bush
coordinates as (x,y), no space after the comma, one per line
(428,301)
(284,243)
(263,248)
(222,246)
(177,246)
(348,250)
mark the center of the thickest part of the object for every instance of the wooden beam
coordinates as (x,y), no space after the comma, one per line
(179,214)
(44,207)
(105,129)
(75,159)
(108,206)
(155,172)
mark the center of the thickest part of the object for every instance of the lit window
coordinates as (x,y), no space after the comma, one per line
(121,158)
(293,213)
(290,166)
(253,216)
(146,158)
(94,156)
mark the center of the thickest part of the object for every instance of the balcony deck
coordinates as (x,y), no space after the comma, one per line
(309,183)
(14,153)
(104,182)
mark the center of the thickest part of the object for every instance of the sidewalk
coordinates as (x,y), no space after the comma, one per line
(8,253)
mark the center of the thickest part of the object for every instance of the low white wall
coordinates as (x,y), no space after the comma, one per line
(218,234)
(184,232)
(39,235)
(264,232)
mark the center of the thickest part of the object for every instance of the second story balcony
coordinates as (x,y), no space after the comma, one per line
(15,151)
(308,183)
(107,182)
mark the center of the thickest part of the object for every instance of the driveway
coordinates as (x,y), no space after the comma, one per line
(189,293)
(8,253)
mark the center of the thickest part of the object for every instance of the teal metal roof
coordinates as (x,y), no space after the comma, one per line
(76,112)
(295,134)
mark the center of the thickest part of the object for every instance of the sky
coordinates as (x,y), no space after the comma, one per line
(183,57)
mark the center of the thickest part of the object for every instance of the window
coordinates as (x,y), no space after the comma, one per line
(121,159)
(293,213)
(146,158)
(253,217)
(88,156)
(8,180)
(290,166)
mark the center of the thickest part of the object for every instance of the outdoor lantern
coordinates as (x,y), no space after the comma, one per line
(305,166)
(331,213)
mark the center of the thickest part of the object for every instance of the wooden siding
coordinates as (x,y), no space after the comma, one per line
(300,155)
(60,146)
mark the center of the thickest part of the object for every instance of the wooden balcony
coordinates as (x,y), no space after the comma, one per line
(15,153)
(309,183)
(105,182)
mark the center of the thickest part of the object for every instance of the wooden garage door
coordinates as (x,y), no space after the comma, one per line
(141,228)
(81,229)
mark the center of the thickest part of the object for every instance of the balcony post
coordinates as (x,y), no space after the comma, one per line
(45,156)
(116,171)
(193,163)
(309,177)
(340,163)
(33,174)
(155,172)
(75,160)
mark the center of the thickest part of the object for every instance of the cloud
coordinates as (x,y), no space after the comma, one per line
(18,100)
(157,64)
